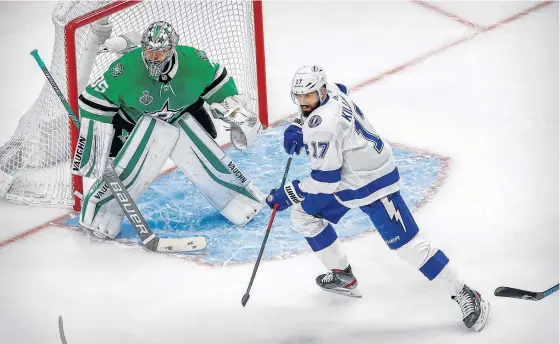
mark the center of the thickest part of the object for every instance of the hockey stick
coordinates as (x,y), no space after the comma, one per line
(524,294)
(245,297)
(127,204)
(61,330)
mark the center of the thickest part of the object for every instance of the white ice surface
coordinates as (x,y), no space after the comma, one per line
(489,104)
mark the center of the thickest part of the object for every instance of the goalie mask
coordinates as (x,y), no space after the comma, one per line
(158,46)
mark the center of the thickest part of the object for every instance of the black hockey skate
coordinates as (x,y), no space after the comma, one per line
(340,282)
(475,309)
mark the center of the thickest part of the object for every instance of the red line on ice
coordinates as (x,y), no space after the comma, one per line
(429,54)
(450,15)
(34,230)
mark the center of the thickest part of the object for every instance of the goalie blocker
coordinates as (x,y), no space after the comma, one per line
(139,161)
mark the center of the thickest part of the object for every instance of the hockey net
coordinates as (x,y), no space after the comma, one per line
(35,162)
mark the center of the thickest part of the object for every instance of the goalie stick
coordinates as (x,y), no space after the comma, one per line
(127,204)
(524,294)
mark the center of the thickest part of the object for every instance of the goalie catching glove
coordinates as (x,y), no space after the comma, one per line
(245,125)
(121,44)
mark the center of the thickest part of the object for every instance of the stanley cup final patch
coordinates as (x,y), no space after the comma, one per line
(146,98)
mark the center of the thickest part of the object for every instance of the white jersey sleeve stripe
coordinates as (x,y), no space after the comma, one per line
(216,89)
(99,101)
(333,176)
(315,187)
(95,111)
(220,78)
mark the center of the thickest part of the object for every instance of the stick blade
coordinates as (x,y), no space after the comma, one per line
(515,293)
(181,244)
(245,299)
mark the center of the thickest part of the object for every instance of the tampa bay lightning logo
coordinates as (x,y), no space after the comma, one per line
(314,121)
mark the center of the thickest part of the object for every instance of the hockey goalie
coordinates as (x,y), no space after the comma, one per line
(157,102)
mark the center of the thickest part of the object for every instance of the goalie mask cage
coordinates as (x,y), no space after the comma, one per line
(35,162)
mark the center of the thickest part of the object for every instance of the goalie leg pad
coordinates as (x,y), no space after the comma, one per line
(214,174)
(92,151)
(137,165)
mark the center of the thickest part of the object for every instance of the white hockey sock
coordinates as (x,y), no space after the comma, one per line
(334,256)
(448,279)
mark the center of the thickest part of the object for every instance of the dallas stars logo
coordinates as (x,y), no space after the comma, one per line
(124,135)
(161,33)
(165,112)
(164,35)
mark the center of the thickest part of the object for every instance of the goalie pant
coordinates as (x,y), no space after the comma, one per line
(143,155)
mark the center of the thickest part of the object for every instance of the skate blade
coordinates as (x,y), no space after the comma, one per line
(484,312)
(346,292)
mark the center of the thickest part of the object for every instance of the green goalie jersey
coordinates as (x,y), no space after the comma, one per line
(126,89)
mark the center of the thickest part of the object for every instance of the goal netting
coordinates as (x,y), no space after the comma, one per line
(35,162)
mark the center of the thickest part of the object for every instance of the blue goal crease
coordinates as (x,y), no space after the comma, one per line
(173,207)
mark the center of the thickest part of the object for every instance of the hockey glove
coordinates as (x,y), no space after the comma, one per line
(244,124)
(227,109)
(289,195)
(293,133)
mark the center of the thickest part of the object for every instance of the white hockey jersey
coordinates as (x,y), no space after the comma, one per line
(347,157)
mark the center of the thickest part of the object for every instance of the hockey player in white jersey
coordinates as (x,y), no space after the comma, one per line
(352,167)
